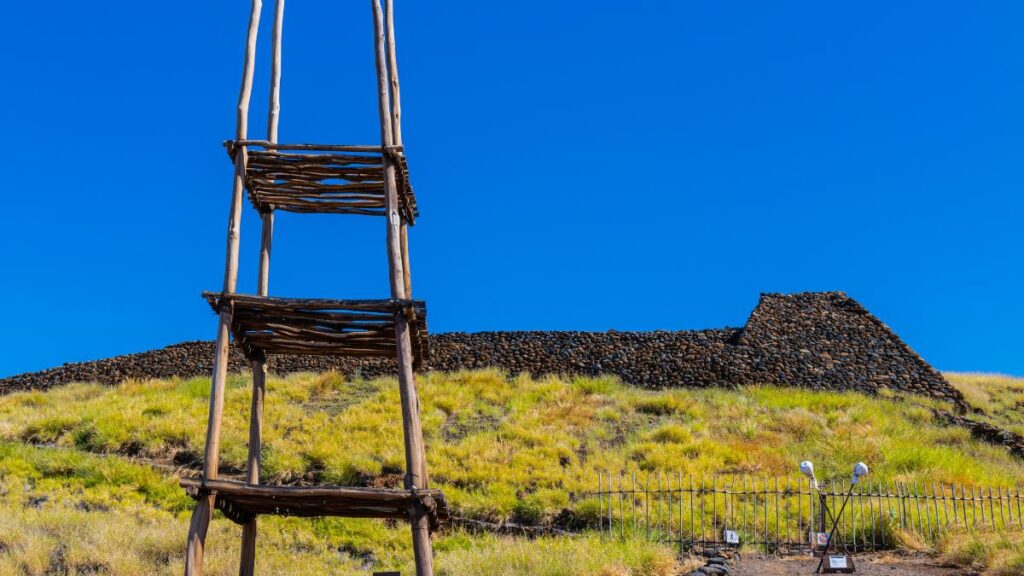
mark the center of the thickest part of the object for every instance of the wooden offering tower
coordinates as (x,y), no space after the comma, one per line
(371,180)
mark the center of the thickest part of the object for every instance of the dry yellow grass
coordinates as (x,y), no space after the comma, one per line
(991,553)
(501,448)
(1000,397)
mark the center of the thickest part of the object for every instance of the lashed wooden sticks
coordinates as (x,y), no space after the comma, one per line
(312,178)
(240,501)
(263,325)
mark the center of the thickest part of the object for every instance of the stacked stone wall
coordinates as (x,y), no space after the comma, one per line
(822,340)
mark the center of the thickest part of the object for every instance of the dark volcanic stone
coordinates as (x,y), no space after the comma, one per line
(818,340)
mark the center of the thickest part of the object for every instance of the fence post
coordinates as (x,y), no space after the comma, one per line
(799,509)
(622,515)
(855,499)
(647,506)
(730,503)
(907,520)
(764,490)
(810,509)
(917,506)
(714,510)
(927,514)
(778,536)
(680,482)
(978,500)
(703,515)
(787,495)
(971,522)
(693,528)
(955,517)
(745,502)
(1009,508)
(822,505)
(974,507)
(610,488)
(1020,517)
(1002,514)
(991,508)
(884,513)
(632,501)
(871,515)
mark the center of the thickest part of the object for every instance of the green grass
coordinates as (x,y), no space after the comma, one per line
(584,556)
(1001,398)
(84,465)
(991,553)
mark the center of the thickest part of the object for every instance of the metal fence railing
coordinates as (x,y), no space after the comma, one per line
(779,514)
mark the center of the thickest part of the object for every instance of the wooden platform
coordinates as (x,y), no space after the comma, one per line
(312,178)
(240,501)
(319,327)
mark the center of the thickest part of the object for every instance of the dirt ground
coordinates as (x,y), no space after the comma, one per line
(866,564)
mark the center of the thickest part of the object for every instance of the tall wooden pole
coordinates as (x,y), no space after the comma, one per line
(274,113)
(211,462)
(411,429)
(392,57)
(396,126)
(396,131)
(387,140)
(247,563)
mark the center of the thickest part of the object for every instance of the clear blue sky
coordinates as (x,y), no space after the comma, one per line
(580,165)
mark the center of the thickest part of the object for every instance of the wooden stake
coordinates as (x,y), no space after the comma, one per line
(203,511)
(405,259)
(396,124)
(275,72)
(266,244)
(396,131)
(247,563)
(392,58)
(412,431)
(197,536)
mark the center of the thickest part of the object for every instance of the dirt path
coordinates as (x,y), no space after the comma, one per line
(867,565)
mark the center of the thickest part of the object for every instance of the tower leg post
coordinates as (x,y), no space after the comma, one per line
(197,536)
(247,563)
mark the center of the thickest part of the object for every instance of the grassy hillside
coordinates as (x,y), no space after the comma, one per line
(87,472)
(1000,398)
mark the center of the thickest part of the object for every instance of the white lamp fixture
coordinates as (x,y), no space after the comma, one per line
(859,471)
(807,468)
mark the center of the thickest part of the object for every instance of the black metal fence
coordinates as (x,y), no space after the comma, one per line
(780,514)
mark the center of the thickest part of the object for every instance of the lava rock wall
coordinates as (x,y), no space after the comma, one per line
(819,340)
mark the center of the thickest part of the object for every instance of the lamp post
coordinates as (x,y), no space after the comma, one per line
(807,469)
(843,564)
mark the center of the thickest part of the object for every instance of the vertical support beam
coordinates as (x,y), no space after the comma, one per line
(197,529)
(274,112)
(247,563)
(396,272)
(396,131)
(411,429)
(392,58)
(211,462)
(407,277)
(396,126)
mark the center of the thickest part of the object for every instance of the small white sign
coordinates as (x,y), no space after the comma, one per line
(837,562)
(732,537)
